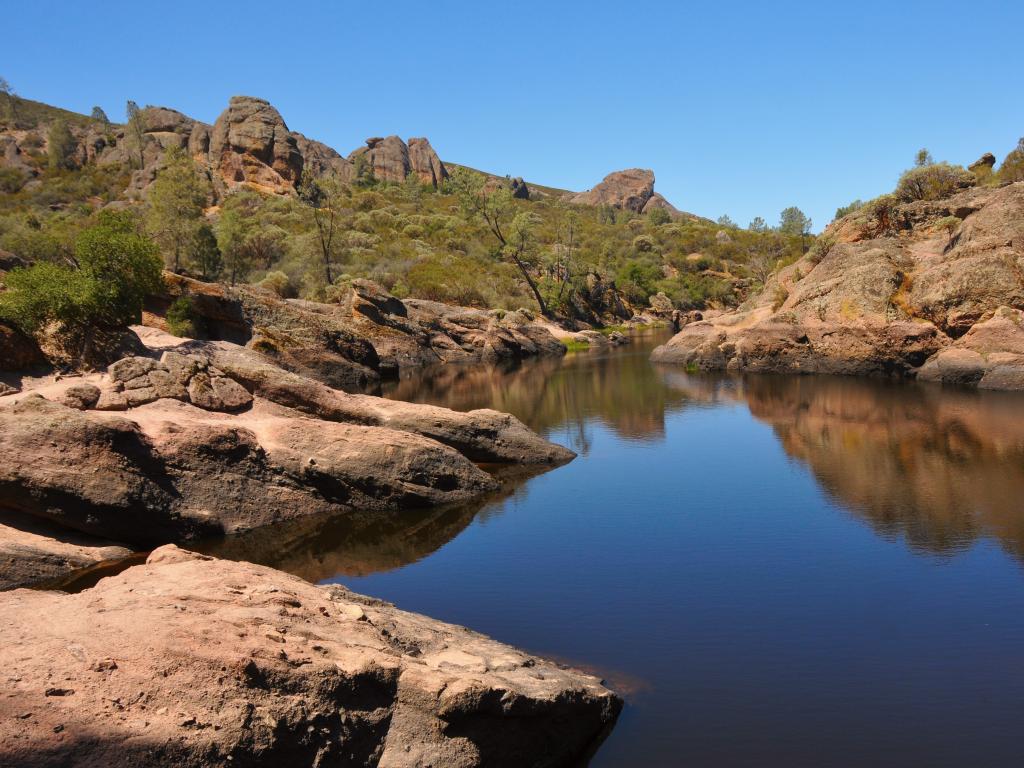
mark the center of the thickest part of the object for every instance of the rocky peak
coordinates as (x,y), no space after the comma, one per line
(250,144)
(626,190)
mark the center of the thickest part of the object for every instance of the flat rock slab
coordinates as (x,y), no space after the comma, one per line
(32,555)
(192,661)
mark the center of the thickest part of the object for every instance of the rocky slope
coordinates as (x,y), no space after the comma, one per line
(933,289)
(191,661)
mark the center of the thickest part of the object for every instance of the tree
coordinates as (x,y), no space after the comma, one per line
(323,197)
(1012,168)
(175,206)
(60,146)
(496,209)
(232,231)
(725,221)
(923,158)
(9,100)
(792,221)
(758,225)
(100,116)
(135,132)
(205,254)
(116,268)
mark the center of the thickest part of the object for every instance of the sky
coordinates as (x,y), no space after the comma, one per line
(739,108)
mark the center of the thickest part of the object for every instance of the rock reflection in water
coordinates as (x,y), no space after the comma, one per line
(559,397)
(361,543)
(938,466)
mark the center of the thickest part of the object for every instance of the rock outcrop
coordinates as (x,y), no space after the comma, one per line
(250,144)
(189,661)
(18,351)
(889,289)
(368,334)
(391,159)
(627,190)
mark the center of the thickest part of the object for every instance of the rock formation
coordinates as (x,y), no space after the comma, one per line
(189,661)
(368,333)
(627,190)
(929,287)
(251,144)
(391,159)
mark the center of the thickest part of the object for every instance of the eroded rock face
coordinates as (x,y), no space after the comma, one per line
(899,291)
(627,190)
(190,661)
(387,158)
(250,144)
(424,162)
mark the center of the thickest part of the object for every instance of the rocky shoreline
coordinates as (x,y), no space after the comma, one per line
(927,289)
(193,661)
(189,659)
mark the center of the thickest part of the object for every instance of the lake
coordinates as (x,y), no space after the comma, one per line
(798,571)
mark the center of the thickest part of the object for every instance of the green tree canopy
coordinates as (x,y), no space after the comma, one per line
(175,204)
(60,146)
(116,269)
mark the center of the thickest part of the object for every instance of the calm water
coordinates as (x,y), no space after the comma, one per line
(773,570)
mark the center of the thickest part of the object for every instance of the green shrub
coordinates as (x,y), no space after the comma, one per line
(779,297)
(846,210)
(278,282)
(11,180)
(949,223)
(182,318)
(821,247)
(643,243)
(933,182)
(658,216)
(116,270)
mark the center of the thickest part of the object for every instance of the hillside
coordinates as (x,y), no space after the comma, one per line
(397,217)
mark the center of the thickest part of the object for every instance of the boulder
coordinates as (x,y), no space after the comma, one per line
(986,161)
(627,190)
(481,435)
(250,144)
(192,661)
(81,396)
(519,188)
(901,294)
(18,351)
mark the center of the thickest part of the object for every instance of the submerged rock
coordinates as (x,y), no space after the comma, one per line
(191,661)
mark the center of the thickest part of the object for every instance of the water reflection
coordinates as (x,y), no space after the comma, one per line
(361,543)
(563,397)
(937,467)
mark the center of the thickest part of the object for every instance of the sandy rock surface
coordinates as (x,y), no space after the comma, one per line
(191,661)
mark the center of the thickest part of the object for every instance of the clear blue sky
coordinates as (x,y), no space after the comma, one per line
(740,108)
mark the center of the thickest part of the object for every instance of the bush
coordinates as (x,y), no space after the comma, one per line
(278,282)
(779,297)
(11,180)
(933,182)
(643,243)
(183,319)
(821,248)
(846,210)
(658,216)
(116,270)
